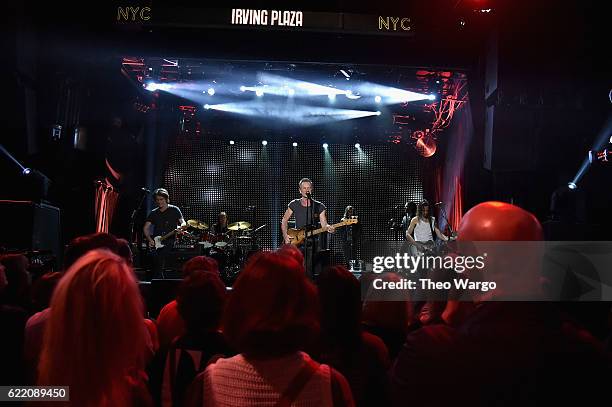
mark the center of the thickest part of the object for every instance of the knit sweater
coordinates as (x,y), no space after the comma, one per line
(239,381)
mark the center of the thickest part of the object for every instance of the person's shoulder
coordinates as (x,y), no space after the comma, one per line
(294,202)
(174,207)
(40,317)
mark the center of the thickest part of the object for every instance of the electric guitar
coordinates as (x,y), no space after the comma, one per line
(160,239)
(298,236)
(431,247)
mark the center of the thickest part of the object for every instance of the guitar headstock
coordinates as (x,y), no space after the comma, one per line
(351,221)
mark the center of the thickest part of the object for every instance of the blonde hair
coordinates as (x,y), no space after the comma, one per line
(95,336)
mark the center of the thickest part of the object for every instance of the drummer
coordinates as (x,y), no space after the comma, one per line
(220,228)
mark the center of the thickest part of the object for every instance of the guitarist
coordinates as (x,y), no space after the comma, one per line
(424,227)
(164,219)
(301,209)
(425,230)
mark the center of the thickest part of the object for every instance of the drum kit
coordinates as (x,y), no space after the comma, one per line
(231,249)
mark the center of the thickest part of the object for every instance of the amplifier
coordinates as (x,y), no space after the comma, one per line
(39,227)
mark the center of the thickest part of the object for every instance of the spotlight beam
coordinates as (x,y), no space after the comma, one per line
(280,84)
(305,115)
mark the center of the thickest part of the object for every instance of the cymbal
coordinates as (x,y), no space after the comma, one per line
(197,224)
(239,225)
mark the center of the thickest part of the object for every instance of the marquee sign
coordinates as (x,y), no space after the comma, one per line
(266,19)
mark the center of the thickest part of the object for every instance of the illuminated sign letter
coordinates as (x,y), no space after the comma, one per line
(134,12)
(122,14)
(407,26)
(383,22)
(394,20)
(144,10)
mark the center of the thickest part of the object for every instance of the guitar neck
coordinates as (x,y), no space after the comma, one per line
(321,230)
(169,234)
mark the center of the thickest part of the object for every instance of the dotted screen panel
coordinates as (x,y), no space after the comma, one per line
(254,183)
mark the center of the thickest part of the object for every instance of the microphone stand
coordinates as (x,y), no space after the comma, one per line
(309,258)
(133,217)
(443,212)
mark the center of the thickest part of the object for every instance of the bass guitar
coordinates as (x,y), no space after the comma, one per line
(298,236)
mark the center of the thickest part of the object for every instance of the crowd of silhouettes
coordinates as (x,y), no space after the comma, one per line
(276,338)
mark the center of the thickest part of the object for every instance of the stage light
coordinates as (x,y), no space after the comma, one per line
(211,91)
(357,145)
(291,92)
(331,97)
(151,86)
(265,143)
(207,106)
(377,113)
(294,144)
(572,185)
(346,75)
(242,88)
(431,97)
(259,92)
(26,171)
(599,156)
(325,145)
(377,99)
(232,142)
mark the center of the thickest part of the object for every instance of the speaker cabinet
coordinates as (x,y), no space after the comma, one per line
(34,226)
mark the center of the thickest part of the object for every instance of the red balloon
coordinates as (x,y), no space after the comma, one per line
(499,221)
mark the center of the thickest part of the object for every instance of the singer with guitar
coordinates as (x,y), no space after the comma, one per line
(308,213)
(165,220)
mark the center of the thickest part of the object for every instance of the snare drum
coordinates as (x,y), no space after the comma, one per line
(207,241)
(221,241)
(221,245)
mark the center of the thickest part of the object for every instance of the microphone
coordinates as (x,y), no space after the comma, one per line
(145,190)
(308,195)
(439,203)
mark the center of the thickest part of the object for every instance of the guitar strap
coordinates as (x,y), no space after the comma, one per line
(431,222)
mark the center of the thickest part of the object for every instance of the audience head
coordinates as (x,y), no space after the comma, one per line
(499,221)
(124,250)
(17,290)
(514,267)
(272,310)
(43,288)
(3,281)
(379,311)
(95,327)
(82,244)
(200,263)
(201,299)
(291,251)
(340,299)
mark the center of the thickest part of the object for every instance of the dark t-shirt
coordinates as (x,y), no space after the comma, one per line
(302,213)
(218,229)
(166,221)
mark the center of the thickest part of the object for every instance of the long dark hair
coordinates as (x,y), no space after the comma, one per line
(420,207)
